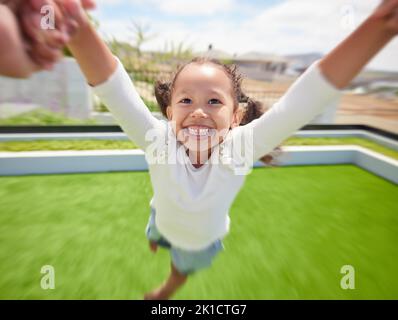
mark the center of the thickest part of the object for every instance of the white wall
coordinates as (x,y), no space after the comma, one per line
(63,90)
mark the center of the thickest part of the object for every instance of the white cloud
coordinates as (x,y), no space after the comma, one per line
(310,25)
(108,2)
(202,7)
(306,24)
(286,28)
(180,7)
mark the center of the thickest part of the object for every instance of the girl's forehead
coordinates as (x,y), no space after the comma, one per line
(203,73)
(207,68)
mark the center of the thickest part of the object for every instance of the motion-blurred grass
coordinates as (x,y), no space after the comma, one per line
(41,116)
(292,230)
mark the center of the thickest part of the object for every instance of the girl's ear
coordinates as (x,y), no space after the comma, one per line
(237,117)
(169,112)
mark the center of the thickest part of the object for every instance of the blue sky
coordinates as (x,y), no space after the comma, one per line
(237,26)
(122,9)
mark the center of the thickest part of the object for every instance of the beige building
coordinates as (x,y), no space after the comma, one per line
(253,65)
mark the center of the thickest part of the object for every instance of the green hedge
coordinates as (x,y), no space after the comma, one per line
(38,145)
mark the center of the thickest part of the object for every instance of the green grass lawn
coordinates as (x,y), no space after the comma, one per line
(292,230)
(37,145)
(40,116)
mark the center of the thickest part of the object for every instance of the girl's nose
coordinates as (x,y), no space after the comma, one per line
(199,113)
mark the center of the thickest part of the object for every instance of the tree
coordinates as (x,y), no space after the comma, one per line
(141,35)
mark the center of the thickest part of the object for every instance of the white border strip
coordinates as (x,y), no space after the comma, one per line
(390,143)
(54,162)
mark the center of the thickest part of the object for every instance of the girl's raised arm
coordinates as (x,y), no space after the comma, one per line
(321,84)
(110,81)
(343,63)
(94,57)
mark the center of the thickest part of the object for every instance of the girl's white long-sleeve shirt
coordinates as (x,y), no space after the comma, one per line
(192,204)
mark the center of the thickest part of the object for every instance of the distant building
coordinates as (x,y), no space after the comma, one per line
(260,66)
(253,65)
(382,83)
(300,62)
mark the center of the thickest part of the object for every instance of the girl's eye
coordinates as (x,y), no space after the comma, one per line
(214,101)
(185,100)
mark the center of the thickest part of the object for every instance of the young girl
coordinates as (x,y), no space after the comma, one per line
(195,168)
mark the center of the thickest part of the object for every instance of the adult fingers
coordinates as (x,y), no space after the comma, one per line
(39,60)
(71,27)
(30,24)
(41,6)
(46,52)
(55,38)
(76,11)
(38,4)
(31,30)
(88,4)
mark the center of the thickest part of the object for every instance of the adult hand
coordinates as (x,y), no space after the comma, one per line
(45,45)
(25,47)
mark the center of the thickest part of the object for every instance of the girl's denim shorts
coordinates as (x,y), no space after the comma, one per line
(186,262)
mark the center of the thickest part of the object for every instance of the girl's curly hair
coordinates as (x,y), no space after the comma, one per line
(253,109)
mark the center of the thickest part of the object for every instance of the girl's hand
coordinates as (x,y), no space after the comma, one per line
(387,12)
(344,62)
(75,9)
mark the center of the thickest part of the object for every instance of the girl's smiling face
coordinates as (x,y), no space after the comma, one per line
(202,107)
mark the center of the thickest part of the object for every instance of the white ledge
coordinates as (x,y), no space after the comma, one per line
(54,162)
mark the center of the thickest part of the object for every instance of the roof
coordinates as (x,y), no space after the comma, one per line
(260,57)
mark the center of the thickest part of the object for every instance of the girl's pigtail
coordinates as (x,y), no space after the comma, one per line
(253,110)
(163,94)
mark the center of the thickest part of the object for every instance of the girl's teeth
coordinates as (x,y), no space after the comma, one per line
(198,132)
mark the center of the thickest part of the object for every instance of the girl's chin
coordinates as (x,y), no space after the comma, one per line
(198,146)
